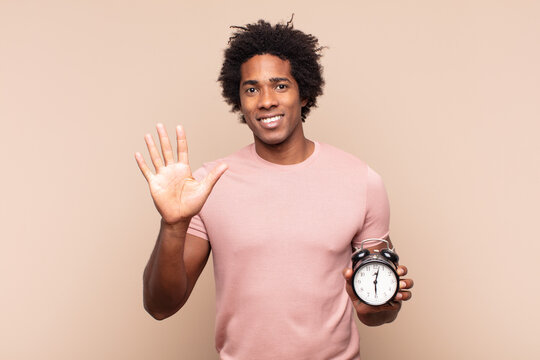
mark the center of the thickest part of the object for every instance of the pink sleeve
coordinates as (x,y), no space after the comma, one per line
(377,218)
(196,226)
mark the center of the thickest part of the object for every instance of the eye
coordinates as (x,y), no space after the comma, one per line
(281,86)
(250,90)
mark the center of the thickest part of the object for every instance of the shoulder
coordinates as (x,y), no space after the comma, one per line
(374,179)
(342,160)
(338,154)
(347,164)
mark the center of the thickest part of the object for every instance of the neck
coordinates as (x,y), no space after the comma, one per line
(285,153)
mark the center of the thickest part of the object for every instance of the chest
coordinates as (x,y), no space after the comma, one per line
(282,214)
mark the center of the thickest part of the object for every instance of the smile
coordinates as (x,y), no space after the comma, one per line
(270,119)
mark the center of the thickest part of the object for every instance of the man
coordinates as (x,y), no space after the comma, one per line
(281,221)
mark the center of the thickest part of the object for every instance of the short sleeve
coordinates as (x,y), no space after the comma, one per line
(196,226)
(377,215)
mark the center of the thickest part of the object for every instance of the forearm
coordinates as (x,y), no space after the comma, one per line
(165,278)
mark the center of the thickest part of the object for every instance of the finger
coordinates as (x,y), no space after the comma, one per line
(147,173)
(181,145)
(213,176)
(165,144)
(402,270)
(403,295)
(393,305)
(347,275)
(154,153)
(406,283)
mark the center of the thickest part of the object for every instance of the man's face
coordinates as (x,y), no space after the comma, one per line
(270,100)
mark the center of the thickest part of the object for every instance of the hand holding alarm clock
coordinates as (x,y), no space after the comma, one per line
(375,280)
(374,283)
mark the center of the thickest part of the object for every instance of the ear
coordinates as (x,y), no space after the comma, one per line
(304,102)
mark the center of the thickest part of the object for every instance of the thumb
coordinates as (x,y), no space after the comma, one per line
(213,176)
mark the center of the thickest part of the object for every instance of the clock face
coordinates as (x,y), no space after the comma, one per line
(375,283)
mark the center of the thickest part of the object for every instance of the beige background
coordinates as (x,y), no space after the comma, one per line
(440,97)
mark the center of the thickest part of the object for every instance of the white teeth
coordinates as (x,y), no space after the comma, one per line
(269,120)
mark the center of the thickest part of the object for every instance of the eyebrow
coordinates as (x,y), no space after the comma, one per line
(250,82)
(272,80)
(279,79)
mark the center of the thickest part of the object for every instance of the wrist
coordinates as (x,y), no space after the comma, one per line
(179,226)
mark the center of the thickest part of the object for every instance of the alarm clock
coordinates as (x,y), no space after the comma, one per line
(375,280)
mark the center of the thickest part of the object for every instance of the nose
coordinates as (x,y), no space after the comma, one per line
(267,99)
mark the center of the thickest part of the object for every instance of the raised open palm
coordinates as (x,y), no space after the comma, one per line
(176,194)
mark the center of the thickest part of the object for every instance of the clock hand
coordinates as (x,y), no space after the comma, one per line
(375,281)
